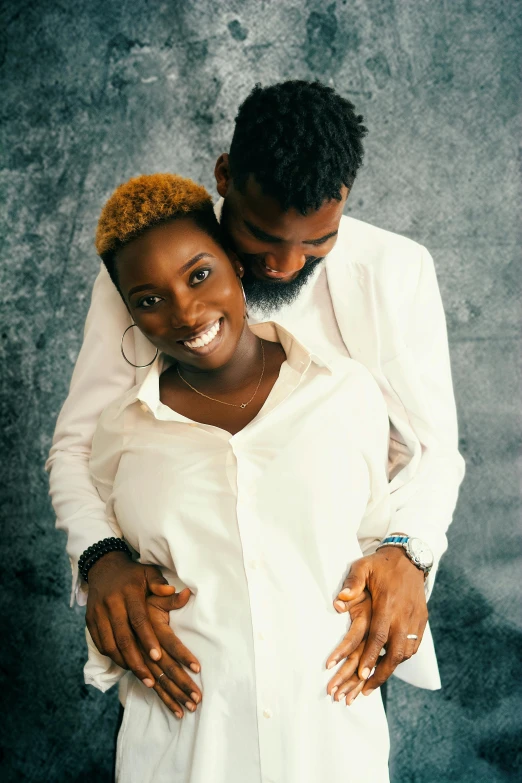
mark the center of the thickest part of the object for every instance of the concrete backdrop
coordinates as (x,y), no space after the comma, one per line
(95,92)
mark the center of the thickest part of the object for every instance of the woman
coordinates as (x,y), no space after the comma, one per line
(250,470)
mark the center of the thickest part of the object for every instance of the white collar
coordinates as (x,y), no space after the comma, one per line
(299,358)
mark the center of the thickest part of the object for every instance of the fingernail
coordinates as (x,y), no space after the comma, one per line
(340,696)
(155,654)
(367,693)
(194,667)
(149,683)
(365,673)
(331,664)
(195,697)
(190,706)
(178,715)
(339,605)
(334,689)
(350,700)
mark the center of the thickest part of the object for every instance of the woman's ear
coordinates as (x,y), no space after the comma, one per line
(222,175)
(236,263)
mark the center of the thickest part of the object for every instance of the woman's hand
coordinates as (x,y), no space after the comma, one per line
(117,614)
(399,609)
(346,681)
(172,683)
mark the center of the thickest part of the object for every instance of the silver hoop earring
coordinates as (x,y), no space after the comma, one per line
(139,366)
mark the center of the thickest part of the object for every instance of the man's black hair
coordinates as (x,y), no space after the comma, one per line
(204,218)
(300,140)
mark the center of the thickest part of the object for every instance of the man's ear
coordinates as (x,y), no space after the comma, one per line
(222,175)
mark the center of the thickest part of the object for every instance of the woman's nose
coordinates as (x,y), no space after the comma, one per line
(186,312)
(287,260)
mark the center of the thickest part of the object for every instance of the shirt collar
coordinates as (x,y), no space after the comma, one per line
(298,357)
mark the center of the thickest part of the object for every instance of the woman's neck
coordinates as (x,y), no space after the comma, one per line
(245,364)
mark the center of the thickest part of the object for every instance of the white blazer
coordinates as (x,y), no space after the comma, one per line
(389,311)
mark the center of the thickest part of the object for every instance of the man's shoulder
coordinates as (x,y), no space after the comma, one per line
(370,245)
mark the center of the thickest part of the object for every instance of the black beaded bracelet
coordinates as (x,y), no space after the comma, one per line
(101,548)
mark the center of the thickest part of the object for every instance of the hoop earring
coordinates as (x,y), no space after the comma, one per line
(123,352)
(244,297)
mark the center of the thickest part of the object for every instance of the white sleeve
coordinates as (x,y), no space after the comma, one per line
(100,376)
(423,505)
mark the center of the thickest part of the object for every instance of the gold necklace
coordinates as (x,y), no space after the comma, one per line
(232,404)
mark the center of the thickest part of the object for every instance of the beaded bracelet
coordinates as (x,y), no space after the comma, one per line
(98,550)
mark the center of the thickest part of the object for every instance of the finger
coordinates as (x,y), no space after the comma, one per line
(352,695)
(177,675)
(108,643)
(394,655)
(169,603)
(141,625)
(339,684)
(349,605)
(176,649)
(357,633)
(93,630)
(353,585)
(156,582)
(377,639)
(128,649)
(190,699)
(168,701)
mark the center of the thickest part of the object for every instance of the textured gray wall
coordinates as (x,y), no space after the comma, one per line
(95,92)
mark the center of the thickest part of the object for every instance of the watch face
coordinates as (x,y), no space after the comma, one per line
(420,552)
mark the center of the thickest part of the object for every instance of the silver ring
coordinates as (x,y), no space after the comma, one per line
(159,678)
(412,636)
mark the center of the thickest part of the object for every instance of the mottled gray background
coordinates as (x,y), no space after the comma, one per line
(94,92)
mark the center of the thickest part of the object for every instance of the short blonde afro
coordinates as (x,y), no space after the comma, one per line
(144,202)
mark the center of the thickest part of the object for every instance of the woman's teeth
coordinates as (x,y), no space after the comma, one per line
(204,339)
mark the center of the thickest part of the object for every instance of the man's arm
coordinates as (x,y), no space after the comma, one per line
(424,493)
(100,376)
(118,585)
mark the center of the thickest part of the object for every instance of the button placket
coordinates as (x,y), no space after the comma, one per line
(250,529)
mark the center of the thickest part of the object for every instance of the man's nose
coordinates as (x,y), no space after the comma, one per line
(288,260)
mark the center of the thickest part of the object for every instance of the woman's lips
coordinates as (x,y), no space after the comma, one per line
(207,342)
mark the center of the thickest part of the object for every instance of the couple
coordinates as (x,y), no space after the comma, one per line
(249,460)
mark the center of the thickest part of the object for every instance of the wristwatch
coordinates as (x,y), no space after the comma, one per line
(418,551)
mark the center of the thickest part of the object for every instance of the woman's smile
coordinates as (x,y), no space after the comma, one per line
(206,340)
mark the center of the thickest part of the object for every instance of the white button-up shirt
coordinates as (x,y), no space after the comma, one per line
(262,526)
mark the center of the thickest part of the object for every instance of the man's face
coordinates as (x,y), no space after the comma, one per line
(279,249)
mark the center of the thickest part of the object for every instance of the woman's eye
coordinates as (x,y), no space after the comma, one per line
(200,275)
(149,301)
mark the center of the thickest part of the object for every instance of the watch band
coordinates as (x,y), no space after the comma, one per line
(394,541)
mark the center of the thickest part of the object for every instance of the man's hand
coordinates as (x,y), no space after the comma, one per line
(346,681)
(399,608)
(117,612)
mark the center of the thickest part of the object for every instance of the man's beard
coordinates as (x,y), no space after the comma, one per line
(266,296)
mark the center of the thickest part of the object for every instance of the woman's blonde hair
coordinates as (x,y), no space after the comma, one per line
(146,201)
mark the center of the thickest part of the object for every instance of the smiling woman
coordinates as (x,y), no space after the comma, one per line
(230,468)
(160,241)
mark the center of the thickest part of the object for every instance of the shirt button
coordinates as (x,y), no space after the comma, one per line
(267,713)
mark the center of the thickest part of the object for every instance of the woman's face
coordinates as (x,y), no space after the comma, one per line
(184,293)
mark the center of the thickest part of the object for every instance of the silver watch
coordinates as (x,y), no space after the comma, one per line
(417,550)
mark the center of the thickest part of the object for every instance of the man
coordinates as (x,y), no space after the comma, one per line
(341,285)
